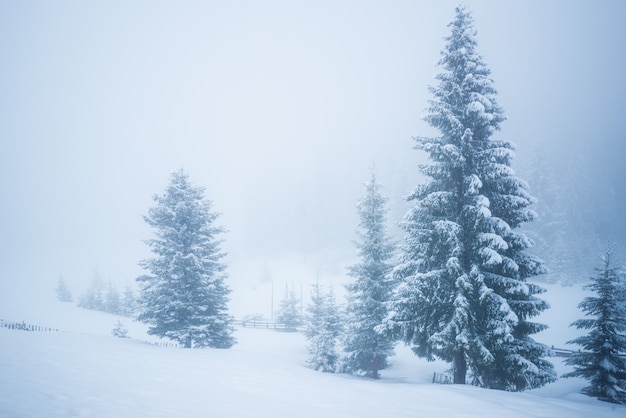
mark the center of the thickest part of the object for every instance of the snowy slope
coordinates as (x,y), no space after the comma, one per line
(87,372)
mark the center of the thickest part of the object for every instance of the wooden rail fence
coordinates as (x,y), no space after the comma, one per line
(266,325)
(23,326)
(442,378)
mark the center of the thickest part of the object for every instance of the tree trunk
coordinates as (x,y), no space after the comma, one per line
(375,368)
(460,367)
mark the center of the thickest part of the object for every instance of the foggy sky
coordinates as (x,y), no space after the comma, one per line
(278,108)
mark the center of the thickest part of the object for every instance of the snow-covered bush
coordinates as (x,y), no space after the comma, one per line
(120,330)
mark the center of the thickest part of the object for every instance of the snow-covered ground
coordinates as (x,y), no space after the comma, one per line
(84,371)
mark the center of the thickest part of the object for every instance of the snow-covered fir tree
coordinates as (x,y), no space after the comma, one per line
(184,296)
(334,316)
(366,350)
(119,331)
(289,310)
(63,292)
(112,301)
(322,330)
(99,297)
(128,305)
(549,230)
(563,233)
(94,296)
(464,295)
(602,361)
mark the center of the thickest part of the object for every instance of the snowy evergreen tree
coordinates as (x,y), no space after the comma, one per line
(94,297)
(464,295)
(603,361)
(549,230)
(366,350)
(322,330)
(128,303)
(63,292)
(184,295)
(334,318)
(119,331)
(289,310)
(563,233)
(112,300)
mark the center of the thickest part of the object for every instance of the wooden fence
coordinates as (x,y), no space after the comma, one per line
(23,326)
(167,344)
(562,352)
(266,325)
(442,378)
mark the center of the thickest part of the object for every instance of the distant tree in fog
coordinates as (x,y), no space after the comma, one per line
(99,297)
(184,296)
(94,296)
(112,300)
(63,292)
(565,232)
(128,302)
(289,310)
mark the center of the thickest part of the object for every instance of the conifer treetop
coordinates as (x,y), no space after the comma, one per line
(465,97)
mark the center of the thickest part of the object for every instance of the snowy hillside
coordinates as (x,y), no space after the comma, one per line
(84,371)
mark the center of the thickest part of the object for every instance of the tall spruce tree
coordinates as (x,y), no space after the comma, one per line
(602,362)
(366,350)
(464,295)
(184,295)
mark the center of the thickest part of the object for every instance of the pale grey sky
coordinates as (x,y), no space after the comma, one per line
(278,108)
